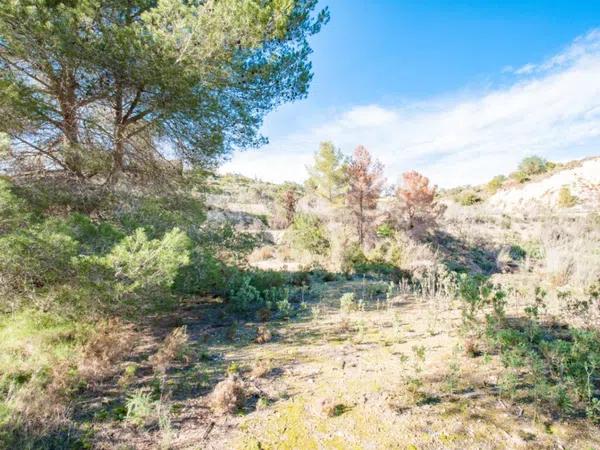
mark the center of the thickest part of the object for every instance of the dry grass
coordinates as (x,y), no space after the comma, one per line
(174,348)
(229,395)
(263,335)
(262,253)
(261,369)
(112,342)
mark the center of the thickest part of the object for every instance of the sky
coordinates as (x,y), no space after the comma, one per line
(458,90)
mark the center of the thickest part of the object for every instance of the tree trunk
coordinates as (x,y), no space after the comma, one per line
(67,98)
(118,134)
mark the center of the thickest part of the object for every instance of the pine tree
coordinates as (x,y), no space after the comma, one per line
(417,208)
(365,182)
(327,175)
(101,87)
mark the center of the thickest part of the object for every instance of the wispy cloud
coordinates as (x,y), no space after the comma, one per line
(552,108)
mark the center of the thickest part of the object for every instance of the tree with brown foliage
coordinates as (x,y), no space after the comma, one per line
(417,208)
(289,199)
(365,182)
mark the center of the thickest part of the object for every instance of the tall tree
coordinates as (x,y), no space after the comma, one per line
(417,208)
(106,86)
(328,175)
(365,182)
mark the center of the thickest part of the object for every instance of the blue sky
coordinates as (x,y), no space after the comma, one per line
(460,90)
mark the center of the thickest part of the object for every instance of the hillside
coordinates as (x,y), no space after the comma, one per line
(582,181)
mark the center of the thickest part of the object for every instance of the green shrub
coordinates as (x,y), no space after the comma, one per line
(308,233)
(517,252)
(467,198)
(533,165)
(35,259)
(558,368)
(217,252)
(520,177)
(565,198)
(13,210)
(158,215)
(93,238)
(351,258)
(245,297)
(348,302)
(385,231)
(140,407)
(495,184)
(148,267)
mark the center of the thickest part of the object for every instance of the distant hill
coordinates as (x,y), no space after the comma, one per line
(580,179)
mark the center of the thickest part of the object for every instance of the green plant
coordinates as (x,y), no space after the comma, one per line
(307,232)
(233,368)
(140,407)
(565,198)
(385,230)
(348,302)
(533,165)
(517,252)
(146,267)
(468,198)
(495,184)
(245,297)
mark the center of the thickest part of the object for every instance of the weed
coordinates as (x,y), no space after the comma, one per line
(348,302)
(140,408)
(174,348)
(229,395)
(263,335)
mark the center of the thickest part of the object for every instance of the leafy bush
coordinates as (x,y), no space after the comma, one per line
(565,198)
(558,367)
(35,259)
(158,215)
(385,230)
(13,210)
(533,165)
(245,297)
(351,258)
(148,267)
(308,233)
(520,177)
(517,252)
(141,408)
(216,253)
(348,302)
(495,184)
(467,198)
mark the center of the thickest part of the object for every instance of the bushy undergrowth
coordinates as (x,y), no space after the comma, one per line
(67,265)
(552,365)
(308,233)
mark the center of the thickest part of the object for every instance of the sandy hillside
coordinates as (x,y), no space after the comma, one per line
(583,182)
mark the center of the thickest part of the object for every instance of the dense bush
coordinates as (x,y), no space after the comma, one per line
(467,198)
(495,184)
(534,165)
(158,215)
(557,367)
(307,232)
(12,209)
(565,198)
(34,259)
(146,268)
(217,253)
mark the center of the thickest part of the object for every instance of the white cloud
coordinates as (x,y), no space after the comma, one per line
(551,109)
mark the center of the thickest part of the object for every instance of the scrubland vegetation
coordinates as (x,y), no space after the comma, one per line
(135,317)
(146,302)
